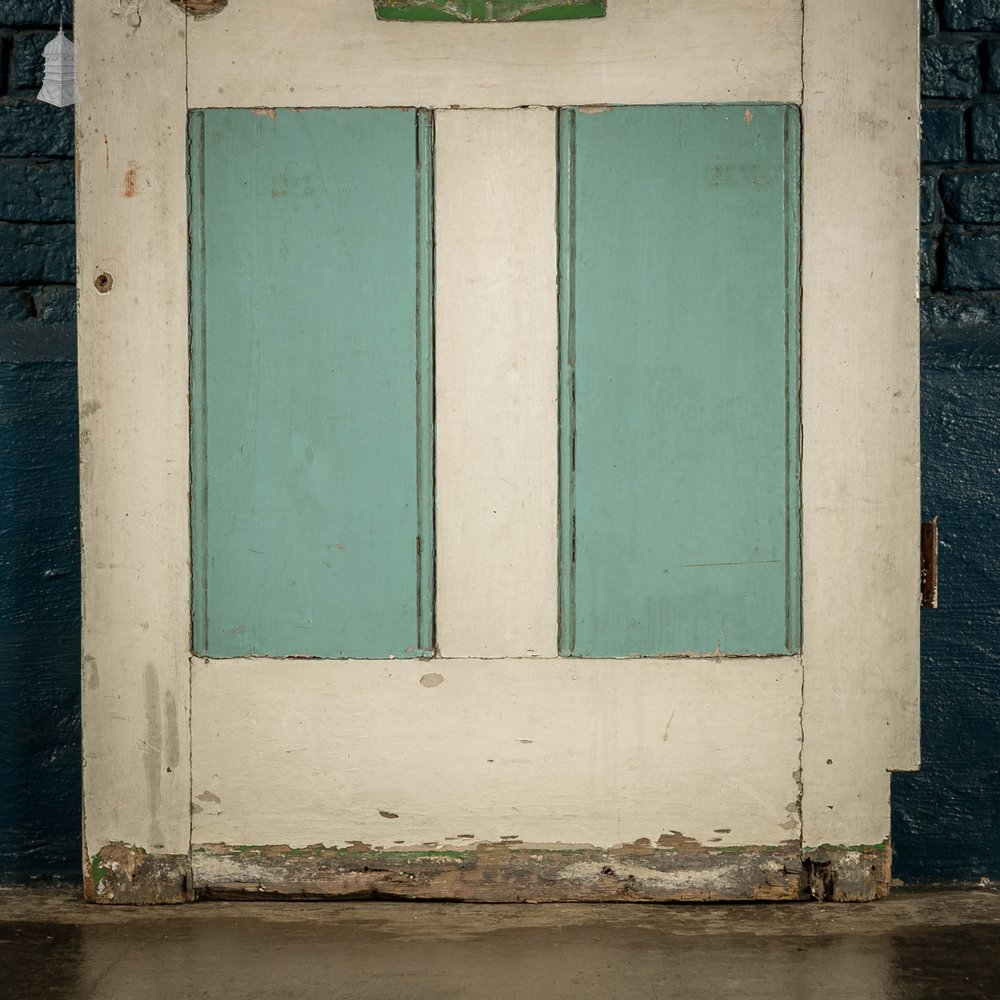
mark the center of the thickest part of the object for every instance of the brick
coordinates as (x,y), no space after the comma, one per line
(16,305)
(26,63)
(928,199)
(35,12)
(30,128)
(47,304)
(55,303)
(984,129)
(942,135)
(36,253)
(968,318)
(993,66)
(928,17)
(971,261)
(949,68)
(972,197)
(971,15)
(36,192)
(928,264)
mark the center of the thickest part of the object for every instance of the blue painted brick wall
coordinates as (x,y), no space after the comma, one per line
(39,539)
(946,817)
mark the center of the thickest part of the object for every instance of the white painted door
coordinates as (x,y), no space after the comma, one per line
(497,769)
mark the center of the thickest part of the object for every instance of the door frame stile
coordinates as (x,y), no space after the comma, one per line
(133,374)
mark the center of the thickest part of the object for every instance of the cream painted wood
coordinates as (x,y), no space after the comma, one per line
(497,380)
(312,751)
(463,751)
(861,447)
(334,52)
(133,372)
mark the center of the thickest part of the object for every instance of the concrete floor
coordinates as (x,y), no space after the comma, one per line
(912,945)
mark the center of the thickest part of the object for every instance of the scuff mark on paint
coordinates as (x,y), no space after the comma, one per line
(525,741)
(131,176)
(431,680)
(388,815)
(670,722)
(207,796)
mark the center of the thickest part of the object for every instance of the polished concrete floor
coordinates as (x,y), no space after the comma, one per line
(912,945)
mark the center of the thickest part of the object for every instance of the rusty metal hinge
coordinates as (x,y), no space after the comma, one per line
(929,564)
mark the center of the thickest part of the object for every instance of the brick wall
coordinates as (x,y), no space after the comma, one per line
(36,178)
(39,540)
(946,817)
(960,193)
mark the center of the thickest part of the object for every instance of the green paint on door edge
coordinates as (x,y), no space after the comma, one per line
(481,11)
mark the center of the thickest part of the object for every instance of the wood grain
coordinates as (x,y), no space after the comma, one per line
(679,363)
(311,384)
(325,53)
(497,342)
(133,377)
(860,433)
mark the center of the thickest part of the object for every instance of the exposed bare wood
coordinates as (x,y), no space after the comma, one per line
(500,873)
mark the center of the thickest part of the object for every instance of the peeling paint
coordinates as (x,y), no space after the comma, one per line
(677,841)
(200,9)
(500,872)
(124,873)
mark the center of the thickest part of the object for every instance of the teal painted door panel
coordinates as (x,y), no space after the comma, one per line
(679,467)
(311,386)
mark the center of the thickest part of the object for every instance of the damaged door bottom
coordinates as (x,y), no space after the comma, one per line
(639,872)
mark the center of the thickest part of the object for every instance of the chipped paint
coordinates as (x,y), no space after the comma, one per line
(847,874)
(126,874)
(200,9)
(500,872)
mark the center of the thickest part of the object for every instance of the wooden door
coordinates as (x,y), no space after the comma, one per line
(551,444)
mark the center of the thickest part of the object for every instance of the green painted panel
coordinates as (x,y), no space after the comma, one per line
(679,459)
(312,385)
(477,11)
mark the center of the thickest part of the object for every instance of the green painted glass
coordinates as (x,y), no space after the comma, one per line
(481,11)
(679,406)
(312,382)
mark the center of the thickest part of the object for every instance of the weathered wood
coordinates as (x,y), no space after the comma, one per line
(460,751)
(679,366)
(847,874)
(496,346)
(494,873)
(481,11)
(860,436)
(123,874)
(133,377)
(323,54)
